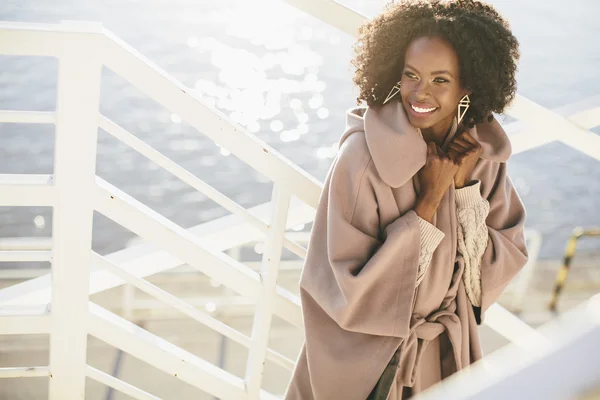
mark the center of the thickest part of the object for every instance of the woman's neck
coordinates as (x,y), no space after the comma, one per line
(438,132)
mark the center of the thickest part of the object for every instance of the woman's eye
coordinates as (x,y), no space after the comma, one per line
(440,80)
(410,75)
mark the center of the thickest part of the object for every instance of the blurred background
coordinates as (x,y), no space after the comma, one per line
(285,77)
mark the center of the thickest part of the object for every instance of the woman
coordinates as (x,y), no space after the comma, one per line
(418,229)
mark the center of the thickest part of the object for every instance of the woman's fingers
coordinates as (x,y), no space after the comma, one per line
(459,146)
(462,141)
(466,139)
(441,153)
(458,149)
(431,150)
(456,156)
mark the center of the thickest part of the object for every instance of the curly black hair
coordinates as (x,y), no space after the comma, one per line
(486,48)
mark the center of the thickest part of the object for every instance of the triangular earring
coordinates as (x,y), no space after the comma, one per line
(393,92)
(463,106)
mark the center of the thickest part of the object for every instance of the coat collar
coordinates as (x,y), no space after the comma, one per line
(399,151)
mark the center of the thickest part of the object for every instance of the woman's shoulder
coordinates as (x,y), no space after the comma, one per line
(353,155)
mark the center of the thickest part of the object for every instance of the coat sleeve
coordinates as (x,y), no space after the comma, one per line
(431,237)
(359,273)
(506,252)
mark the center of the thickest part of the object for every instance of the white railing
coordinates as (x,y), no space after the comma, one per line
(566,366)
(77,116)
(74,192)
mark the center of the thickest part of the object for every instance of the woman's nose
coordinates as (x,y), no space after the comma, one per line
(422,90)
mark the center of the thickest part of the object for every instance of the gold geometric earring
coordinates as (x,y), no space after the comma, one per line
(393,92)
(463,106)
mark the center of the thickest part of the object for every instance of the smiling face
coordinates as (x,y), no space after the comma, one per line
(430,87)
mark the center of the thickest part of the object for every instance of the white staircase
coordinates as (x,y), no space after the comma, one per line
(58,303)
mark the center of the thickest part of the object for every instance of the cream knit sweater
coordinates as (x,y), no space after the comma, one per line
(472,211)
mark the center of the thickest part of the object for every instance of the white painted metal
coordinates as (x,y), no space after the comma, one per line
(128,300)
(26,190)
(511,327)
(118,384)
(565,369)
(264,305)
(163,355)
(32,39)
(22,273)
(555,125)
(187,309)
(578,106)
(26,243)
(24,372)
(587,119)
(27,117)
(523,280)
(79,75)
(21,325)
(18,256)
(331,12)
(153,81)
(148,224)
(19,320)
(146,259)
(191,179)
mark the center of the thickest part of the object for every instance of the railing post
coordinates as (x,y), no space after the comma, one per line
(77,111)
(264,310)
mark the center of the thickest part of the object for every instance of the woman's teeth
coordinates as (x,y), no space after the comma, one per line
(422,110)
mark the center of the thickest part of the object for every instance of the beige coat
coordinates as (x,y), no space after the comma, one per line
(358,287)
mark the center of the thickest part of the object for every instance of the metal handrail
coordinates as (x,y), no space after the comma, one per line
(69,42)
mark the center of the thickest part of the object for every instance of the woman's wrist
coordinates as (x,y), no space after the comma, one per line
(426,207)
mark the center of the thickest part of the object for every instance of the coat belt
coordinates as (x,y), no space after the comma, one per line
(422,331)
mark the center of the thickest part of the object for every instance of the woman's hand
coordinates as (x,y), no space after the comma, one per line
(437,174)
(465,151)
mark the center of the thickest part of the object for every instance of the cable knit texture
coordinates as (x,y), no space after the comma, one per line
(430,239)
(472,211)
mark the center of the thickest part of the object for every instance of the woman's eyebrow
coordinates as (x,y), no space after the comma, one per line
(433,73)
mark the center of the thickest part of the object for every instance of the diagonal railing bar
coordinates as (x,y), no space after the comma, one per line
(146,259)
(143,221)
(160,353)
(165,356)
(192,180)
(187,309)
(552,124)
(161,87)
(118,384)
(331,12)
